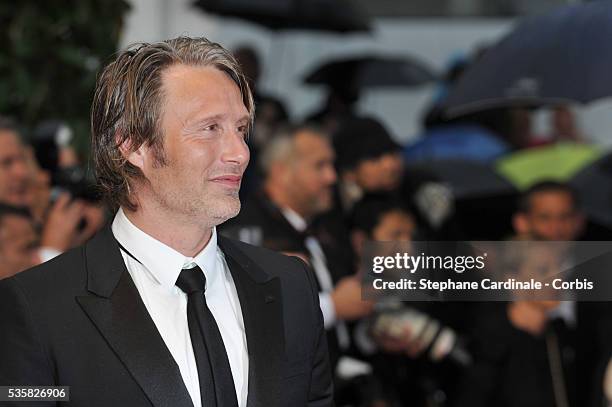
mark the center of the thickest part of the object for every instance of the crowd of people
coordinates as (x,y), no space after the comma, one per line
(321,198)
(323,188)
(40,217)
(320,190)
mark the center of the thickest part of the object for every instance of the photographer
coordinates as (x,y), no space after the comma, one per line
(63,222)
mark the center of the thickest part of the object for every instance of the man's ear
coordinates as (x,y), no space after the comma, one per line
(520,224)
(136,157)
(280,170)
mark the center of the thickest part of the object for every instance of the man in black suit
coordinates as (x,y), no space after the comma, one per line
(552,211)
(157,310)
(549,353)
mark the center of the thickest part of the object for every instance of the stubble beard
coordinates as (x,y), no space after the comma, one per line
(225,208)
(325,202)
(207,208)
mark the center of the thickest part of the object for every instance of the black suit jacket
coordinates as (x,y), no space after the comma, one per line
(79,321)
(512,367)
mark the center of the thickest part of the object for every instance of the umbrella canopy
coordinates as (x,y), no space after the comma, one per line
(372,71)
(456,141)
(555,58)
(340,16)
(483,201)
(593,184)
(557,162)
(466,179)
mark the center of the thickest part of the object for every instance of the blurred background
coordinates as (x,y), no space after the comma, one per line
(438,33)
(406,120)
(53,50)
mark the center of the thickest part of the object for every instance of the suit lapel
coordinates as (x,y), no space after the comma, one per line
(260,301)
(119,314)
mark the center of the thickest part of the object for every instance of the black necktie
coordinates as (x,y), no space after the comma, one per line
(216,382)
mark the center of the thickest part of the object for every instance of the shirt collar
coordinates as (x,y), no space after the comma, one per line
(162,261)
(294,219)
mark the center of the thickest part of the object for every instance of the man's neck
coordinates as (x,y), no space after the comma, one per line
(280,198)
(527,317)
(187,238)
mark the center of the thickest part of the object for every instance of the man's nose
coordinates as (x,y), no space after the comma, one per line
(235,149)
(19,169)
(330,175)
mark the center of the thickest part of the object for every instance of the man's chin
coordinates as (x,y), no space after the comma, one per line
(324,205)
(227,208)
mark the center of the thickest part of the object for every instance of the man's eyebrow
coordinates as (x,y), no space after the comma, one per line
(203,120)
(244,119)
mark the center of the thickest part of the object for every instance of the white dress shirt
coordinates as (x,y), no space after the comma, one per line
(319,265)
(47,253)
(155,274)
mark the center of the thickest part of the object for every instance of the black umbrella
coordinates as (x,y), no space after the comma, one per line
(320,15)
(372,71)
(559,57)
(483,201)
(466,179)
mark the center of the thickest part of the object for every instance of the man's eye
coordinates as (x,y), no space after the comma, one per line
(211,127)
(244,130)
